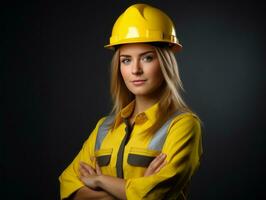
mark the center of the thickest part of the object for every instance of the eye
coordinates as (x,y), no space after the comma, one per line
(147,58)
(125,61)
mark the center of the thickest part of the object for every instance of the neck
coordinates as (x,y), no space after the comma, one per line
(143,103)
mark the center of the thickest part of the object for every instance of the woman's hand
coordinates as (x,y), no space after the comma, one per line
(156,164)
(93,179)
(89,176)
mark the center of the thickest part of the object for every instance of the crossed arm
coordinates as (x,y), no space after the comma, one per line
(99,186)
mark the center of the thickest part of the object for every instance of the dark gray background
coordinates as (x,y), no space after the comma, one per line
(55,87)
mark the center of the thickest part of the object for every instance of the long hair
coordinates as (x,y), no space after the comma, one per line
(171,99)
(121,96)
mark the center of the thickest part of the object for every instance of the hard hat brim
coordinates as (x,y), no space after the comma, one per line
(174,46)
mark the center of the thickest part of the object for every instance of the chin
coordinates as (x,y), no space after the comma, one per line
(142,92)
(139,92)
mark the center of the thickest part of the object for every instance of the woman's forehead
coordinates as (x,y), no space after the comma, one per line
(135,48)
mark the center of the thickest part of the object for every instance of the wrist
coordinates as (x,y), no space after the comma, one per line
(99,181)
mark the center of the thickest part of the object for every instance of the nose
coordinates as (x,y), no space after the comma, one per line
(136,68)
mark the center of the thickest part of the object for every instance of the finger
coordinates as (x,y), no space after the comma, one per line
(89,181)
(83,172)
(157,161)
(98,169)
(160,166)
(83,179)
(93,161)
(82,168)
(88,168)
(155,164)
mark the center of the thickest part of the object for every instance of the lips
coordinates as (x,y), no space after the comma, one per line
(138,82)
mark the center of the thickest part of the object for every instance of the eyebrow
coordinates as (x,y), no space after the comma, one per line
(146,52)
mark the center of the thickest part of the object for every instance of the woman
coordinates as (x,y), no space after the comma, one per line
(150,145)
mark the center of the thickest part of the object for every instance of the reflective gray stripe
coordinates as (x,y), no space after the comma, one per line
(158,139)
(102,131)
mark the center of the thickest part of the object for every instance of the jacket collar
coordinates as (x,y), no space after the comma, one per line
(149,115)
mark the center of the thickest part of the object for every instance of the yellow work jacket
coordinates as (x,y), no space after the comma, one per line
(182,146)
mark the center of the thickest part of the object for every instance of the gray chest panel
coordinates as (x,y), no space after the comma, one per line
(156,142)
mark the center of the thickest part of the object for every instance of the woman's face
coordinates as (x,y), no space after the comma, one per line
(140,69)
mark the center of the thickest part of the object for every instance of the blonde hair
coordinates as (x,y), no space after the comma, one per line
(171,99)
(121,96)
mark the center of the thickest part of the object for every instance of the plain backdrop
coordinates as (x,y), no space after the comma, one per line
(54,76)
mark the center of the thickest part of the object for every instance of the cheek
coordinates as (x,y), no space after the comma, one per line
(124,72)
(156,73)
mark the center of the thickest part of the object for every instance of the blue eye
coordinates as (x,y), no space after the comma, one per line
(148,58)
(125,61)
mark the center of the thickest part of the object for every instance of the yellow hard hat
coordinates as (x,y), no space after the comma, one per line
(142,23)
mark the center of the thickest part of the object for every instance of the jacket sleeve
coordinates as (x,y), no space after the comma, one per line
(183,148)
(69,180)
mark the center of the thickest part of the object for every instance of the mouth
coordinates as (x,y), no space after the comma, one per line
(138,82)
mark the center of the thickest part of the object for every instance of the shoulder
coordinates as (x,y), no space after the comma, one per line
(105,123)
(104,120)
(101,120)
(185,123)
(99,123)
